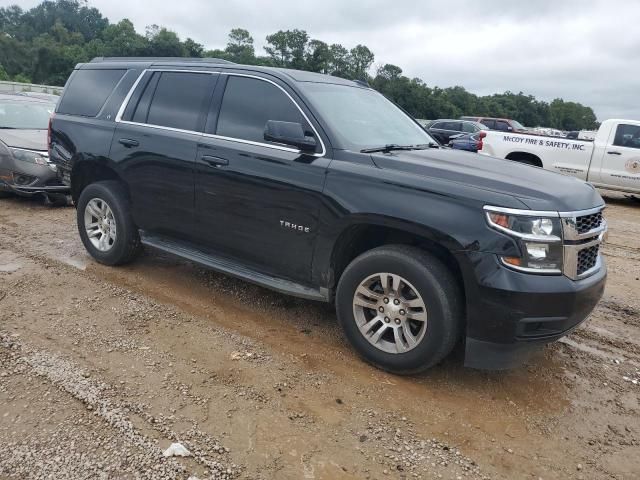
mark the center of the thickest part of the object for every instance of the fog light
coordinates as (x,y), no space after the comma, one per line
(537,251)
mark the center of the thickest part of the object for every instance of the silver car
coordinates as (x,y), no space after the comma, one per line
(24,162)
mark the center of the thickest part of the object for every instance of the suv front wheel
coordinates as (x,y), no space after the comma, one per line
(400,307)
(105,224)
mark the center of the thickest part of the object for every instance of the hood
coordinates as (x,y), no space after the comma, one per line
(536,188)
(28,139)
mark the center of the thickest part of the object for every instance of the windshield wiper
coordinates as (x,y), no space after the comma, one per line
(393,146)
(7,128)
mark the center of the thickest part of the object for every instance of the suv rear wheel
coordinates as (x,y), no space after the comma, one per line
(105,225)
(400,307)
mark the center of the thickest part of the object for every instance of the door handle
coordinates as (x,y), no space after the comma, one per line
(214,161)
(129,143)
(614,153)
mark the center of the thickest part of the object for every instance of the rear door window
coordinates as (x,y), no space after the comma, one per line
(453,126)
(491,124)
(179,100)
(88,90)
(502,126)
(469,127)
(627,136)
(248,104)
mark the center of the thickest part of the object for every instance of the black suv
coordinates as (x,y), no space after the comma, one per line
(443,129)
(320,187)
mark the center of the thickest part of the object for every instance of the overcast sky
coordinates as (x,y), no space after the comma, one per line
(581,50)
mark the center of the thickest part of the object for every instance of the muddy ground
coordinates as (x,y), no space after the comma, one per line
(101,369)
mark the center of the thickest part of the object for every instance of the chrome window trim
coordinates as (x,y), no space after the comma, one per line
(126,100)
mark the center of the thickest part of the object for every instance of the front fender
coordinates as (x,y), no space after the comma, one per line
(452,219)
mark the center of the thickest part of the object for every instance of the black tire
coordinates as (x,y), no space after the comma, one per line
(439,290)
(127,243)
(4,194)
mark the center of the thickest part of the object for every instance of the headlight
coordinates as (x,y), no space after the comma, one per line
(539,236)
(29,156)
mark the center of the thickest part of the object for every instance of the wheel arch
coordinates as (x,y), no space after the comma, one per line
(85,172)
(362,235)
(525,157)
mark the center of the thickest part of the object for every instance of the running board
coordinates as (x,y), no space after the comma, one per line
(228,266)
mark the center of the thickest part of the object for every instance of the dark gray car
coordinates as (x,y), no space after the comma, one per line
(24,161)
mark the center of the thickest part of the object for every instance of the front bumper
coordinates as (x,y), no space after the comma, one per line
(32,180)
(511,314)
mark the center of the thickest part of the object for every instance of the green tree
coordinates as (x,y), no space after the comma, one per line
(3,73)
(193,48)
(360,59)
(287,48)
(240,47)
(339,62)
(121,39)
(317,57)
(164,43)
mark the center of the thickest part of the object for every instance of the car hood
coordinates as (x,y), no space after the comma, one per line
(28,139)
(536,188)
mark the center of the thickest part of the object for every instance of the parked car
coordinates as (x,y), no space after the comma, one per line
(320,187)
(25,168)
(442,130)
(502,124)
(41,95)
(471,142)
(612,161)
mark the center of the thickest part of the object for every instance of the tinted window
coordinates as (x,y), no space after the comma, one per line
(179,100)
(454,126)
(247,105)
(627,136)
(437,125)
(88,90)
(491,124)
(469,127)
(502,126)
(141,107)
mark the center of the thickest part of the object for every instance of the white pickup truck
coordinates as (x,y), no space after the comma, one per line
(611,161)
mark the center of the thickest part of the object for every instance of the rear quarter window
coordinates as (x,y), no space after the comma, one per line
(88,90)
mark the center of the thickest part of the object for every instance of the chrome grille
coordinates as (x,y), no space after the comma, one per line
(586,223)
(587,259)
(582,232)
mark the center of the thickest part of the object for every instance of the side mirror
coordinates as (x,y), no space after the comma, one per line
(289,133)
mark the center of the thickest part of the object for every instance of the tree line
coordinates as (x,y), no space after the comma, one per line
(44,43)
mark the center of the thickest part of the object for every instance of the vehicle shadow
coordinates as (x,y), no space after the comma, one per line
(309,329)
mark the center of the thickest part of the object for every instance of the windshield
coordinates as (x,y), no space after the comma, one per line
(25,115)
(517,125)
(362,118)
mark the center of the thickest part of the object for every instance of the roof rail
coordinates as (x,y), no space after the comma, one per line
(159,59)
(362,83)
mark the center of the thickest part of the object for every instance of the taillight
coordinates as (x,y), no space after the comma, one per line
(49,134)
(480,143)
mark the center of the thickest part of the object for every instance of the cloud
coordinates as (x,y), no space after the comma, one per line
(580,50)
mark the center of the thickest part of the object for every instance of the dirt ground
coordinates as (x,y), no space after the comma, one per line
(101,369)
